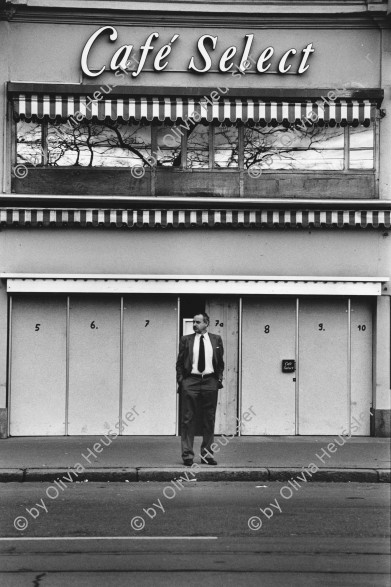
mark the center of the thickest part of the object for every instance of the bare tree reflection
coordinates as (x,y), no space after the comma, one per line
(112,144)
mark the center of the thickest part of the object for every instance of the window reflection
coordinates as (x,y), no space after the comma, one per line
(361,142)
(361,137)
(198,147)
(98,145)
(169,140)
(29,143)
(313,148)
(226,146)
(108,144)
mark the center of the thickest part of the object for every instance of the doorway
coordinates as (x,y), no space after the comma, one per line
(223,312)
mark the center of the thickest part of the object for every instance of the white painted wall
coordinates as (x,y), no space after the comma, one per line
(237,252)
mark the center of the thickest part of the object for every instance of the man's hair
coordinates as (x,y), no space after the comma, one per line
(205,316)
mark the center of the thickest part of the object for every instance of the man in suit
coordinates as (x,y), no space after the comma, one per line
(199,369)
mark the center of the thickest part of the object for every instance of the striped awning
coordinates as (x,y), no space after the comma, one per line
(145,218)
(51,107)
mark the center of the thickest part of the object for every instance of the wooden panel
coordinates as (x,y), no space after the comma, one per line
(264,186)
(100,181)
(338,186)
(361,363)
(310,185)
(38,366)
(87,181)
(197,183)
(150,348)
(323,366)
(268,337)
(94,364)
(223,313)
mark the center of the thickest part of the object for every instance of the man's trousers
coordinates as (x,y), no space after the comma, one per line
(198,393)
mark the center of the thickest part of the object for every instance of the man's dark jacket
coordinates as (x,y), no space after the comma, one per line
(185,356)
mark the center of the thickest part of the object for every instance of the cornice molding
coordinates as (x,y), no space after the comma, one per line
(227,18)
(238,6)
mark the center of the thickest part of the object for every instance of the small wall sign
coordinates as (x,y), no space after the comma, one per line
(288,365)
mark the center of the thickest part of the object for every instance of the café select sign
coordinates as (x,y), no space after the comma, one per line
(208,49)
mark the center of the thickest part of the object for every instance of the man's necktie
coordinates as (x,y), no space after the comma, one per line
(201,356)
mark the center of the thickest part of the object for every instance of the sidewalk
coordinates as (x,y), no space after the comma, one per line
(157,458)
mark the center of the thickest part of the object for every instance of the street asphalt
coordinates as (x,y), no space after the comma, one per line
(220,534)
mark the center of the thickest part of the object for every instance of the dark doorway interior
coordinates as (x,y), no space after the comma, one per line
(191,305)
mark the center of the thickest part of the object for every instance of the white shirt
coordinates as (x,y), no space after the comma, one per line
(208,354)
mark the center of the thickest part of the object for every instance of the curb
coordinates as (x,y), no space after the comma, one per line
(70,476)
(166,474)
(327,475)
(384,475)
(204,474)
(9,475)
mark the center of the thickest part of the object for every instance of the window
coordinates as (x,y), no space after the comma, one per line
(96,145)
(198,140)
(29,143)
(85,145)
(313,148)
(198,147)
(226,147)
(361,148)
(169,141)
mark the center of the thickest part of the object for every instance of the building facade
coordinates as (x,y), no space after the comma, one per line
(162,159)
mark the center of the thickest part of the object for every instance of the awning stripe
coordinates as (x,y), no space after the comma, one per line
(353,112)
(196,218)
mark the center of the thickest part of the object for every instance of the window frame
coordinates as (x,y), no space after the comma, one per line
(211,162)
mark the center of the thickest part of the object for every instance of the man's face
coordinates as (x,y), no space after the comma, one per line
(199,326)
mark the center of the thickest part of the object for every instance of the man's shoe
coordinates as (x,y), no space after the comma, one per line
(187,462)
(210,461)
